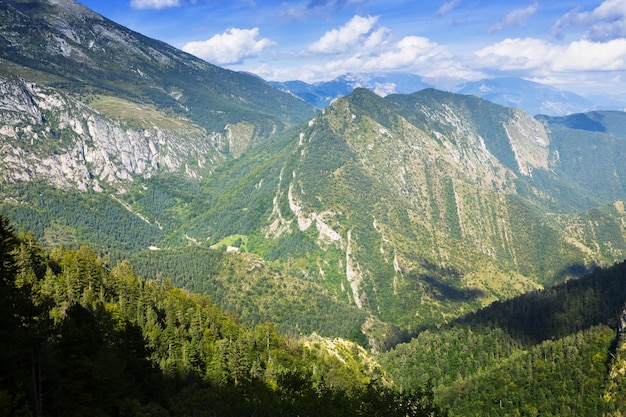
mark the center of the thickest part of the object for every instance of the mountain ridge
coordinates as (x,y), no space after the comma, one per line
(88,54)
(410,209)
(532,97)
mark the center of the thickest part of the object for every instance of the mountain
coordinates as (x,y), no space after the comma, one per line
(373,217)
(82,338)
(110,94)
(321,94)
(560,350)
(418,208)
(534,98)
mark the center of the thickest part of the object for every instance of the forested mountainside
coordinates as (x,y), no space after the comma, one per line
(420,207)
(81,337)
(397,212)
(556,352)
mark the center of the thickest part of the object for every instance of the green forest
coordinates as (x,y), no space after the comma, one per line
(554,352)
(84,336)
(81,337)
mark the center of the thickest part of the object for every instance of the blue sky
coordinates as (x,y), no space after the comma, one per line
(579,45)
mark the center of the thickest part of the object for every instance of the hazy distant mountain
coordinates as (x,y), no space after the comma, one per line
(532,97)
(321,94)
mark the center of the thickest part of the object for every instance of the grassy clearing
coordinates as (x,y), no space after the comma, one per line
(238,241)
(139,115)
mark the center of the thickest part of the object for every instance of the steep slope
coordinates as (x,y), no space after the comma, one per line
(589,150)
(559,350)
(80,337)
(63,45)
(50,136)
(415,207)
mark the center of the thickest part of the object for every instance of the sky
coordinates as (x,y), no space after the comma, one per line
(575,45)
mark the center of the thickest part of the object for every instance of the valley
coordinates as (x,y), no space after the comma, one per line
(434,248)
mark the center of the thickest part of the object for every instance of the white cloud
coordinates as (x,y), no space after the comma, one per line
(154,4)
(515,54)
(230,47)
(605,22)
(515,18)
(354,34)
(411,54)
(586,55)
(543,58)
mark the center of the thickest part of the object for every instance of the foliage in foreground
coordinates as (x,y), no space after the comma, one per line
(78,338)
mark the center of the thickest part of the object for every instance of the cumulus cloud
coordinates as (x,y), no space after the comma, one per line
(515,18)
(357,33)
(605,22)
(408,52)
(230,47)
(154,4)
(359,45)
(542,58)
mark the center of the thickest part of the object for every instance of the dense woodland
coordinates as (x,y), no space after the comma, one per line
(555,352)
(81,337)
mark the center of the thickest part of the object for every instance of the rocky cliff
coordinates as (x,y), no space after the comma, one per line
(51,137)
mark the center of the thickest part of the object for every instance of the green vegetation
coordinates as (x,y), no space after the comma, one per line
(80,337)
(72,324)
(258,291)
(549,352)
(72,218)
(429,243)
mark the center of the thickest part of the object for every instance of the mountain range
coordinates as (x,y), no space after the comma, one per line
(62,56)
(405,206)
(532,97)
(373,216)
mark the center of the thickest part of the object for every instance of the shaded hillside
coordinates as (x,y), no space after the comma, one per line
(589,149)
(559,351)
